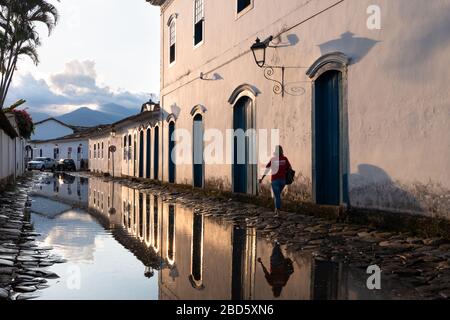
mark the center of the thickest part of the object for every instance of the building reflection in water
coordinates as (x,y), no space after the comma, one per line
(59,187)
(202,258)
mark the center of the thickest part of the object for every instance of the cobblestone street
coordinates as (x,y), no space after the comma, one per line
(22,262)
(420,264)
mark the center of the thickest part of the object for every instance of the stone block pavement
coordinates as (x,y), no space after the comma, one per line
(22,262)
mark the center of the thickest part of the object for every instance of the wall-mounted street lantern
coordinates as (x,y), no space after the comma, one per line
(113,133)
(259,49)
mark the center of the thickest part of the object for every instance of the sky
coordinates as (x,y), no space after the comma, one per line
(101,51)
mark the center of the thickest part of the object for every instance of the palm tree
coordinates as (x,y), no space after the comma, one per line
(18,35)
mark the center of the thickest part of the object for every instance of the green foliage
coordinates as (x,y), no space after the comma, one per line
(18,35)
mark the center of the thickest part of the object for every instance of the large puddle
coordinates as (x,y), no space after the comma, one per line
(120,243)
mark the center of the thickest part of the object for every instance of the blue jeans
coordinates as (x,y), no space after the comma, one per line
(277,188)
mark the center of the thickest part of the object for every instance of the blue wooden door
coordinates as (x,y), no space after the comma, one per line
(170,155)
(135,151)
(156,154)
(239,147)
(141,154)
(327,138)
(198,152)
(239,236)
(149,153)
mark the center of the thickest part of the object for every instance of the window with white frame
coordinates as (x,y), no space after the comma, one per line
(242,5)
(172,41)
(199,18)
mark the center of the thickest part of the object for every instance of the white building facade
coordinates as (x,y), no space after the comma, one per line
(70,147)
(357,89)
(130,147)
(12,162)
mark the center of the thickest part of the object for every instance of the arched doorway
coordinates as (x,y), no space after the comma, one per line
(330,144)
(156,154)
(170,152)
(171,235)
(148,154)
(155,241)
(327,137)
(140,223)
(238,262)
(135,155)
(196,277)
(141,154)
(244,144)
(197,152)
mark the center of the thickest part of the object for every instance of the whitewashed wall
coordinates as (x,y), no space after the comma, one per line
(100,159)
(7,158)
(126,159)
(47,149)
(398,97)
(12,161)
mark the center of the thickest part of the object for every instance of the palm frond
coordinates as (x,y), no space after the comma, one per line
(15,105)
(19,35)
(31,52)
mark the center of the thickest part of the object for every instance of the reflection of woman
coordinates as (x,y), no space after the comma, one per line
(281,269)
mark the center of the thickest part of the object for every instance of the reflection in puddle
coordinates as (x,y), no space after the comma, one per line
(126,244)
(281,269)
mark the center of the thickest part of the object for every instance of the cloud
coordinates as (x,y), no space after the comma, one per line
(76,86)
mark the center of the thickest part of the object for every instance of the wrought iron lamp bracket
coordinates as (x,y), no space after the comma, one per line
(279,87)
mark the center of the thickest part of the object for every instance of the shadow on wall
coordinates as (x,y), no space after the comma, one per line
(174,110)
(371,187)
(354,47)
(417,47)
(290,41)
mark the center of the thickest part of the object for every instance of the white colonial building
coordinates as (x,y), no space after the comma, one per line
(358,90)
(130,147)
(12,146)
(57,140)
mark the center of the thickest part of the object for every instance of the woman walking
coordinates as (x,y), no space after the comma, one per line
(278,167)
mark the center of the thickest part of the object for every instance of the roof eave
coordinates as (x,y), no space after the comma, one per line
(156,2)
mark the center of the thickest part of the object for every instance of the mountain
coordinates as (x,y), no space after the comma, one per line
(86,117)
(38,116)
(118,110)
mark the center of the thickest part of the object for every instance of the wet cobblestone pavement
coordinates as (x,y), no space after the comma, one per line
(22,262)
(419,263)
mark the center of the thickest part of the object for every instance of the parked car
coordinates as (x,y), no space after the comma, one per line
(66,165)
(42,164)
